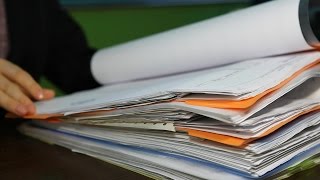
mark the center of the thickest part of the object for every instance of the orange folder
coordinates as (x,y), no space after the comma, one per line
(239,142)
(245,103)
(35,116)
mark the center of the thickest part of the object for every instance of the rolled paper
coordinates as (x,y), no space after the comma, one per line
(273,28)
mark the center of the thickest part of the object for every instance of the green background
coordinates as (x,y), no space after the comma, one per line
(109,26)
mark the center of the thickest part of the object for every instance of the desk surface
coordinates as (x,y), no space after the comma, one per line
(26,158)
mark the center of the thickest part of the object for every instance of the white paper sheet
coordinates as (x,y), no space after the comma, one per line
(268,29)
(234,80)
(177,143)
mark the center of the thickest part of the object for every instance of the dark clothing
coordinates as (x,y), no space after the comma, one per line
(44,40)
(259,1)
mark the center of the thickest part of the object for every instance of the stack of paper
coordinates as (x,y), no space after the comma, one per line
(177,155)
(258,115)
(250,119)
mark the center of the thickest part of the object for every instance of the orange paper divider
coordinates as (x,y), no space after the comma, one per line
(49,120)
(239,142)
(224,139)
(245,103)
(36,116)
(42,116)
(53,120)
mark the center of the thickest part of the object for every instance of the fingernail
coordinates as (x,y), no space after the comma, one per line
(40,95)
(21,110)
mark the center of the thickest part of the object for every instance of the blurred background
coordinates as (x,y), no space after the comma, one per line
(146,2)
(110,22)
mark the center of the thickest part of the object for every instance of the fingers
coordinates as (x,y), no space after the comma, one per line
(13,91)
(12,105)
(48,94)
(14,95)
(22,78)
(17,88)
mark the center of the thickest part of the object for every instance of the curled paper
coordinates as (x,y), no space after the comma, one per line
(273,28)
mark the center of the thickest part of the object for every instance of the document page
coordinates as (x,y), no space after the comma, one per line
(265,30)
(247,78)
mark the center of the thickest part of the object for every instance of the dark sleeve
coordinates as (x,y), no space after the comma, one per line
(68,57)
(259,1)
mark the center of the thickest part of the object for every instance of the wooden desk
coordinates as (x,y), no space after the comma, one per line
(22,157)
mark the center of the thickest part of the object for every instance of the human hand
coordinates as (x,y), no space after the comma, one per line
(18,89)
